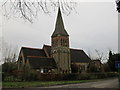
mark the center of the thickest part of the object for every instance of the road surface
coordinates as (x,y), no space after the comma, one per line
(110,83)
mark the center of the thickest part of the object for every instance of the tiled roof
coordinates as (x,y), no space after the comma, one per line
(38,57)
(96,60)
(79,56)
(76,55)
(33,52)
(41,62)
(47,49)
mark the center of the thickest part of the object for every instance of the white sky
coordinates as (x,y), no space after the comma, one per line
(94,26)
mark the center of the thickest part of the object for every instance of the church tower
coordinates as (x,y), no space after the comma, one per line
(60,46)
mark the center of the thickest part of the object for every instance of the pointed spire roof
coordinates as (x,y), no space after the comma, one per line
(59,28)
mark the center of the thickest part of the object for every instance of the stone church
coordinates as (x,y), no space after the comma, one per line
(57,58)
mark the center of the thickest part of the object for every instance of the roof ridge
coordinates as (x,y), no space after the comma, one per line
(32,48)
(76,49)
(37,57)
(47,45)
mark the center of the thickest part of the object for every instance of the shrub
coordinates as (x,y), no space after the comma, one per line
(75,76)
(33,76)
(70,76)
(101,75)
(84,76)
(112,74)
(49,77)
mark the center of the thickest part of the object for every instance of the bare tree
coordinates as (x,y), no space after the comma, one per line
(9,53)
(100,55)
(0,50)
(90,54)
(29,9)
(118,5)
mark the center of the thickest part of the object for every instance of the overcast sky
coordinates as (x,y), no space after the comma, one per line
(94,26)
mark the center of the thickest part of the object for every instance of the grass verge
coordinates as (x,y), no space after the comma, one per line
(40,84)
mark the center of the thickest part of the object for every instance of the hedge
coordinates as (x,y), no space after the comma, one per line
(74,76)
(59,77)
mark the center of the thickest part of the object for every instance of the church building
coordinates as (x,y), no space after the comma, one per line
(57,58)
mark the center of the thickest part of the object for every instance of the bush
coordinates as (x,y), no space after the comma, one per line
(33,76)
(75,76)
(112,74)
(70,76)
(84,76)
(103,75)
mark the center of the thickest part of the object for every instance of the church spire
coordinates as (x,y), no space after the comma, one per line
(59,27)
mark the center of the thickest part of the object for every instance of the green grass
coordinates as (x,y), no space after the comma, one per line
(39,84)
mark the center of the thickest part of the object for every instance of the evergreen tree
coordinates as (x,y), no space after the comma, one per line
(111,61)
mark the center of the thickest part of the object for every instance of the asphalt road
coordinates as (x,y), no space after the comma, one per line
(110,83)
(103,84)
